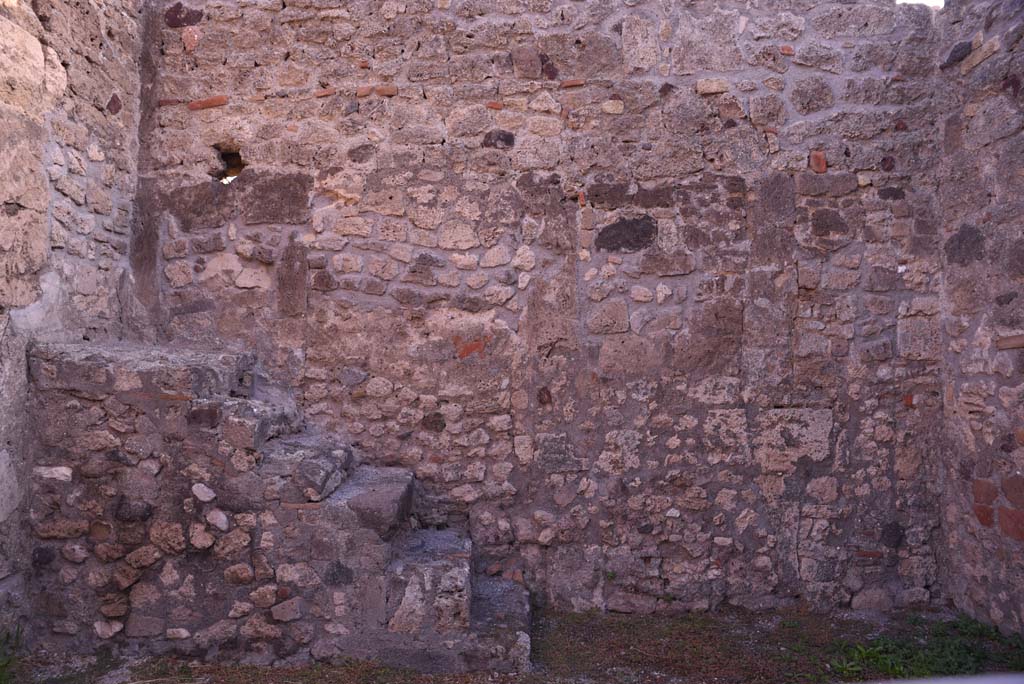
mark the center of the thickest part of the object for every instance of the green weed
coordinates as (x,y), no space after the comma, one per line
(10,643)
(955,647)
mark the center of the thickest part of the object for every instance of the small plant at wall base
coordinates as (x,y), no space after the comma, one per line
(10,642)
(955,647)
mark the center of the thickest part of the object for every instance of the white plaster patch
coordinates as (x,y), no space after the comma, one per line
(60,473)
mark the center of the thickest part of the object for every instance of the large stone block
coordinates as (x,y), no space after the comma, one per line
(784,436)
(919,338)
(22,64)
(708,43)
(639,43)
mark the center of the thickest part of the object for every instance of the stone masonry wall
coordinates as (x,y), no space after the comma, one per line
(649,292)
(981,191)
(69,122)
(668,305)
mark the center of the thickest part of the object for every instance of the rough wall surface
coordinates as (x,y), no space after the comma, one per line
(69,116)
(656,305)
(981,190)
(646,291)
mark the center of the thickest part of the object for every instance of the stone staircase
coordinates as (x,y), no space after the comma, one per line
(181,506)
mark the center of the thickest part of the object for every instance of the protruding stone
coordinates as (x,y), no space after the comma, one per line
(288,611)
(200,537)
(218,519)
(203,492)
(58,473)
(712,86)
(240,573)
(107,629)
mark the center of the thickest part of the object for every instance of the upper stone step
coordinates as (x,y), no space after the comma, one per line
(377,498)
(141,373)
(251,423)
(308,467)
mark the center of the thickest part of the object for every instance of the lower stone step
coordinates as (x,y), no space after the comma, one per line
(500,619)
(442,618)
(429,586)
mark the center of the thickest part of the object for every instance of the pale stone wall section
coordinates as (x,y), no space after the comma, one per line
(69,120)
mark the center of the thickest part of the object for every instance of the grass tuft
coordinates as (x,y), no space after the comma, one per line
(10,643)
(952,647)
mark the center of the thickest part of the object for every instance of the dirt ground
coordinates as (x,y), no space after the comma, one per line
(720,648)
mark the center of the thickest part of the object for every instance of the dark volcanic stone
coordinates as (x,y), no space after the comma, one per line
(42,556)
(209,244)
(114,105)
(628,235)
(499,139)
(203,206)
(361,153)
(291,280)
(608,195)
(826,221)
(663,196)
(536,186)
(434,422)
(207,416)
(957,54)
(892,535)
(967,245)
(1004,299)
(548,68)
(891,193)
(177,16)
(277,198)
(776,200)
(132,511)
(469,303)
(338,574)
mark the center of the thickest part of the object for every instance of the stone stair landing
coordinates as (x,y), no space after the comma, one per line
(181,506)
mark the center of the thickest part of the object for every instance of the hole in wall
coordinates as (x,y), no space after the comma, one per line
(231,163)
